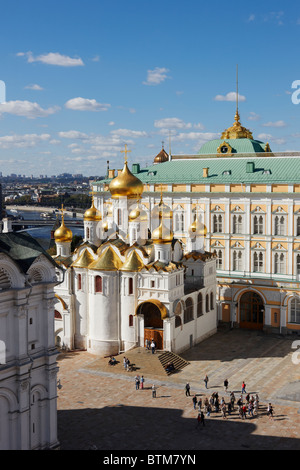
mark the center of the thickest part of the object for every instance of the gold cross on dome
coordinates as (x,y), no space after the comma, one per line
(62,210)
(125,152)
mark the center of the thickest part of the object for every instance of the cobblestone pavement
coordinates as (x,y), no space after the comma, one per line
(99,407)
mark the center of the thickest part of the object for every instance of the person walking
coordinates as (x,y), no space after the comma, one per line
(225,385)
(142,382)
(200,404)
(153,347)
(187,390)
(232,400)
(223,409)
(270,411)
(194,400)
(153,391)
(244,387)
(206,381)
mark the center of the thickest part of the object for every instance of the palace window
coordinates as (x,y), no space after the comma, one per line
(219,260)
(87,232)
(217,223)
(294,310)
(298,226)
(279,225)
(179,222)
(98,284)
(79,286)
(298,264)
(207,303)
(258,224)
(258,262)
(237,260)
(189,310)
(237,224)
(130,320)
(279,263)
(200,305)
(211,300)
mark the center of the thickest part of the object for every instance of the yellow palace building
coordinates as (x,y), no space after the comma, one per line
(248,199)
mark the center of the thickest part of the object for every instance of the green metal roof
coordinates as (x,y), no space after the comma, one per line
(238,146)
(223,170)
(22,248)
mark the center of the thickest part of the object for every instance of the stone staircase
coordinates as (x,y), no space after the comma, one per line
(167,357)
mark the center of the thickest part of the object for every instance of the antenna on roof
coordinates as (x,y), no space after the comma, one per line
(237,89)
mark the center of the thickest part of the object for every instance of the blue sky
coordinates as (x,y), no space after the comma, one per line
(84,78)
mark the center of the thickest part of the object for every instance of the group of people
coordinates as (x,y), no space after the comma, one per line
(206,406)
(126,363)
(139,382)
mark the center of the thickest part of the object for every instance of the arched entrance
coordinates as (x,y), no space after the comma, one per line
(154,312)
(251,308)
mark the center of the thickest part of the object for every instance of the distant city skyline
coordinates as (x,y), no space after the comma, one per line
(82,82)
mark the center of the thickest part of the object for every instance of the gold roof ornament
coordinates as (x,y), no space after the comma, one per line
(84,260)
(92,214)
(161,210)
(126,184)
(133,263)
(237,131)
(107,261)
(162,156)
(197,229)
(162,234)
(137,213)
(62,233)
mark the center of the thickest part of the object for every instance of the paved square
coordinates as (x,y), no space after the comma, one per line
(100,408)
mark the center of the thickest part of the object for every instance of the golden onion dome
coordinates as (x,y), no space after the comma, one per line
(197,229)
(237,131)
(105,226)
(162,234)
(137,213)
(63,233)
(126,185)
(161,157)
(162,211)
(92,213)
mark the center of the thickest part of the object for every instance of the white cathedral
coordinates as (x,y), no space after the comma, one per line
(131,280)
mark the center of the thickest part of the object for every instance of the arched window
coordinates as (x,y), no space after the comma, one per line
(98,284)
(207,303)
(177,321)
(130,320)
(294,316)
(189,310)
(237,261)
(279,225)
(130,286)
(258,262)
(119,217)
(79,287)
(258,224)
(298,264)
(237,224)
(211,300)
(200,305)
(87,232)
(219,264)
(57,315)
(279,263)
(298,226)
(218,223)
(179,221)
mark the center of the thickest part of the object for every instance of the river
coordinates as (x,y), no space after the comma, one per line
(42,234)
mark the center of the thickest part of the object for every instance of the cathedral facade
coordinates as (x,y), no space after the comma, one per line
(131,281)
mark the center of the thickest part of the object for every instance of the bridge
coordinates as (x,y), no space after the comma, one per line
(46,223)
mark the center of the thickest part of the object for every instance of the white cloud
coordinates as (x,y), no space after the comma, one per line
(26,109)
(53,58)
(231,96)
(269,137)
(73,135)
(176,123)
(111,123)
(35,86)
(275,124)
(84,104)
(253,116)
(156,76)
(251,17)
(129,133)
(20,141)
(201,136)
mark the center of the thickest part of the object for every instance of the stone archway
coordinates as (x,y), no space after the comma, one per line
(153,312)
(251,310)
